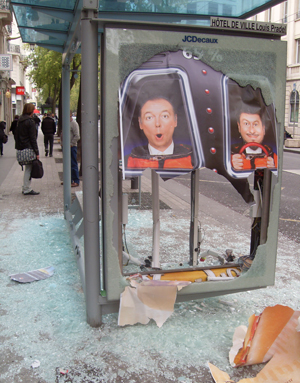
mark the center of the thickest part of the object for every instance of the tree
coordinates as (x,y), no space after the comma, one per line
(74,95)
(45,72)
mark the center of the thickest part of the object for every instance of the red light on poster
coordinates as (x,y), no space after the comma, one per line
(20,90)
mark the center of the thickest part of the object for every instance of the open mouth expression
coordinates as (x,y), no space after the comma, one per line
(158,121)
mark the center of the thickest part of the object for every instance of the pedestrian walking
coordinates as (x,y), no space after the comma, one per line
(37,122)
(3,136)
(54,118)
(13,125)
(74,138)
(48,129)
(26,144)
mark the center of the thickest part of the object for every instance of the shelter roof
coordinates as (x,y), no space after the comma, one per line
(55,24)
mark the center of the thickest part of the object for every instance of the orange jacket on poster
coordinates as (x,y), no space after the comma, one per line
(180,159)
(253,161)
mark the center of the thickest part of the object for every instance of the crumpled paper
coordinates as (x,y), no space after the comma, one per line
(153,299)
(273,337)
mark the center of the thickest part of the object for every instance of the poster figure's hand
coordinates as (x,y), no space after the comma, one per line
(270,162)
(237,161)
(37,157)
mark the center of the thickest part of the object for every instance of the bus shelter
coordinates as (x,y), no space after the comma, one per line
(213,60)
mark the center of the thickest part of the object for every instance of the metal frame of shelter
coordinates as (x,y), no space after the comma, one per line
(72,27)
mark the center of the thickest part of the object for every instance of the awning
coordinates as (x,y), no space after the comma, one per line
(55,24)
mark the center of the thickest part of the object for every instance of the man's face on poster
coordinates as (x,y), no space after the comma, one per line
(251,128)
(158,121)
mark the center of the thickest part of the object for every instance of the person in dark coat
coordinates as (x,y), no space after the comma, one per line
(2,134)
(49,129)
(25,138)
(13,125)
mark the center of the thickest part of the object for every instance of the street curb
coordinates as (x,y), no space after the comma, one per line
(292,150)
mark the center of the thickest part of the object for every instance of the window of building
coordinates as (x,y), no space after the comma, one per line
(285,12)
(298,52)
(294,105)
(298,11)
(269,15)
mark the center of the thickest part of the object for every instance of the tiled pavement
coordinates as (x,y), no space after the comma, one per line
(50,199)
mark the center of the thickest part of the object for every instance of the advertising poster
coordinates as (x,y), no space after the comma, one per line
(251,141)
(175,101)
(159,125)
(204,102)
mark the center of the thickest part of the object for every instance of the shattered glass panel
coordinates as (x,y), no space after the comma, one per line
(205,84)
(46,320)
(175,221)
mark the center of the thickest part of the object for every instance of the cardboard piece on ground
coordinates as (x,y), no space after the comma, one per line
(34,275)
(147,300)
(237,342)
(262,332)
(218,375)
(274,336)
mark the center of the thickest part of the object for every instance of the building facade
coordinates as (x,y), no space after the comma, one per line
(18,93)
(6,81)
(22,90)
(15,88)
(288,12)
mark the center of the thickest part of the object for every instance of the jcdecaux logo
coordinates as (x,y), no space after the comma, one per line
(201,40)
